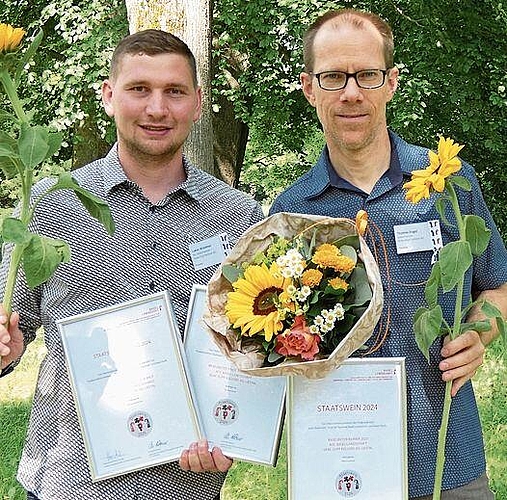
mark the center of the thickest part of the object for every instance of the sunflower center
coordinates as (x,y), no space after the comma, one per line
(264,303)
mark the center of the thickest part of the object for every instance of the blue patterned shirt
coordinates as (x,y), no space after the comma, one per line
(321,191)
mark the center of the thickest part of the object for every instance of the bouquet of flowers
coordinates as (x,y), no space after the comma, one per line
(297,295)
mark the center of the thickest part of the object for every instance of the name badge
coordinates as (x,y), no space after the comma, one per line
(418,237)
(210,251)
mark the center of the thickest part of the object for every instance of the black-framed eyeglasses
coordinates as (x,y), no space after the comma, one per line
(365,79)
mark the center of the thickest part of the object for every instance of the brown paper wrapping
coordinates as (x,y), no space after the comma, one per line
(257,239)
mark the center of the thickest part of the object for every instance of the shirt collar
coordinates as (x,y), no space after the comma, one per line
(114,175)
(324,174)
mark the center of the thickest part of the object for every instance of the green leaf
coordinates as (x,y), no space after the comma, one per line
(362,288)
(455,258)
(431,288)
(440,206)
(6,149)
(352,240)
(478,326)
(41,257)
(231,273)
(27,56)
(305,248)
(33,145)
(8,166)
(501,324)
(95,206)
(427,328)
(273,357)
(461,182)
(477,234)
(313,242)
(14,231)
(350,252)
(5,116)
(490,310)
(54,143)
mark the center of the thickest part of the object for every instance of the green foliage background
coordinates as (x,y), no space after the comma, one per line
(450,53)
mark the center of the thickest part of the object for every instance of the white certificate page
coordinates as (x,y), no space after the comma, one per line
(241,414)
(130,386)
(347,433)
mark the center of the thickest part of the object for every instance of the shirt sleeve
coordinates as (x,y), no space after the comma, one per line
(490,268)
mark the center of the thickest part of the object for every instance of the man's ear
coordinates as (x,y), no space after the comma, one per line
(307,86)
(107,98)
(392,82)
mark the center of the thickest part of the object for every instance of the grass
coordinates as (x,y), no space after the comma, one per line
(246,481)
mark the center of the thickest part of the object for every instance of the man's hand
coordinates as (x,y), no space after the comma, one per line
(198,458)
(11,338)
(462,356)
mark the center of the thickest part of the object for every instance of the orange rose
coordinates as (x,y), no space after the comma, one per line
(298,341)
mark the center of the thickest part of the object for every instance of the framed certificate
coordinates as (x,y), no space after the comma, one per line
(347,432)
(241,414)
(130,385)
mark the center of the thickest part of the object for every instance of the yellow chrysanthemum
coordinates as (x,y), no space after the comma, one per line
(325,255)
(339,284)
(328,255)
(10,37)
(252,305)
(442,165)
(344,264)
(311,277)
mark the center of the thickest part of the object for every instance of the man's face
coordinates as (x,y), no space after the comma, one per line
(154,104)
(352,118)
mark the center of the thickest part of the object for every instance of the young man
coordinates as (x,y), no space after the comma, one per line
(349,78)
(161,204)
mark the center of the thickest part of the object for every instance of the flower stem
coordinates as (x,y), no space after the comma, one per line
(11,92)
(17,252)
(16,255)
(442,433)
(442,436)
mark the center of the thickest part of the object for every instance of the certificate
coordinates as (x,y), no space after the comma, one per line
(241,414)
(130,385)
(347,432)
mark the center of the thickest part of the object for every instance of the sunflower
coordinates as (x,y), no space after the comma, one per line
(252,305)
(442,165)
(10,37)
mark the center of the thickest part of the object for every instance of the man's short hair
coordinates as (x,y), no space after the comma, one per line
(151,42)
(353,17)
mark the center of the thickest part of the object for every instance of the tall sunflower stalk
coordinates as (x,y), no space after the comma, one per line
(23,148)
(448,273)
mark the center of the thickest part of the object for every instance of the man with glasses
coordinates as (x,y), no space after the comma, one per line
(349,78)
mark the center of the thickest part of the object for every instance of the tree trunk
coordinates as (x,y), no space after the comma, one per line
(88,144)
(229,142)
(189,20)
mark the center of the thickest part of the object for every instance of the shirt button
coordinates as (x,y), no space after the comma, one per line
(154,245)
(152,209)
(152,286)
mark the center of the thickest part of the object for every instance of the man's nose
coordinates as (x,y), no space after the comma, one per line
(157,104)
(351,91)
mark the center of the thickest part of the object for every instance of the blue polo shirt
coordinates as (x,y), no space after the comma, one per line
(322,192)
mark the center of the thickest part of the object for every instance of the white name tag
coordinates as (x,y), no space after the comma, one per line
(210,251)
(418,237)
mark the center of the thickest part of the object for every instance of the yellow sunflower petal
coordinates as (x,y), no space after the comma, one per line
(438,182)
